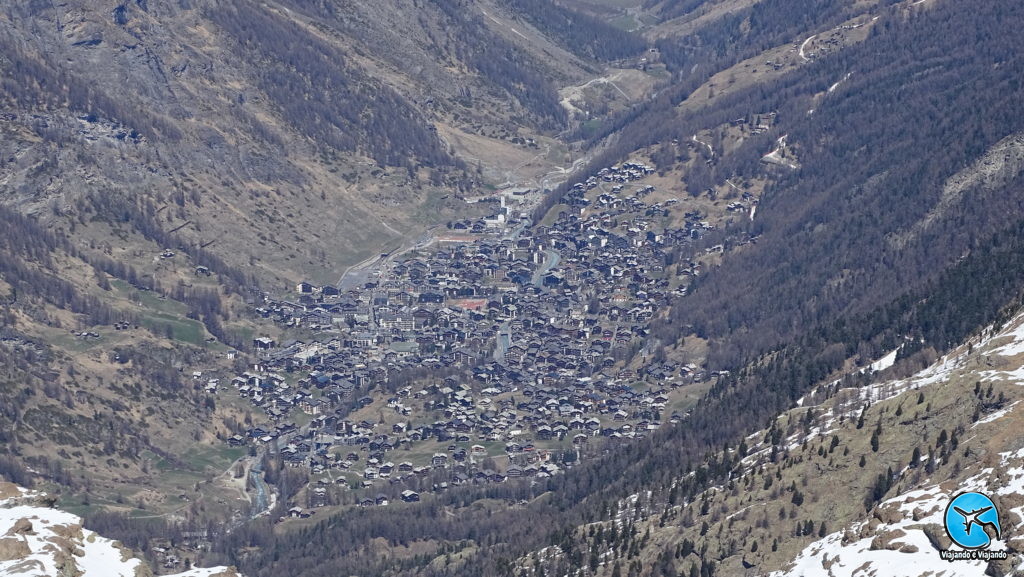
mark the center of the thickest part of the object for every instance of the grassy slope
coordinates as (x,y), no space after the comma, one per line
(912,413)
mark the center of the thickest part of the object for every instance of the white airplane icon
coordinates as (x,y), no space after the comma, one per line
(971,519)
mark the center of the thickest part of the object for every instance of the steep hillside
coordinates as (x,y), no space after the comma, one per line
(40,541)
(854,481)
(874,210)
(162,160)
(290,138)
(870,170)
(95,400)
(171,122)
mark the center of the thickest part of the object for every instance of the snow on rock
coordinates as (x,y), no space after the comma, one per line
(832,88)
(1015,376)
(898,548)
(207,572)
(936,373)
(902,535)
(939,372)
(1011,481)
(894,540)
(1012,348)
(37,540)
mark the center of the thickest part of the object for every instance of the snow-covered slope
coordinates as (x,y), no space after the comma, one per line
(855,481)
(895,539)
(902,535)
(37,540)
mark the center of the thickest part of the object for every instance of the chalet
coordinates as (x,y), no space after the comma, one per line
(263,343)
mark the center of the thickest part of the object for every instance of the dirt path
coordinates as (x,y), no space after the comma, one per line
(570,93)
(804,45)
(510,174)
(775,156)
(711,150)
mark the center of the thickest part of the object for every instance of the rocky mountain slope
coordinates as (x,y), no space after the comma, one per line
(855,481)
(982,379)
(291,137)
(40,541)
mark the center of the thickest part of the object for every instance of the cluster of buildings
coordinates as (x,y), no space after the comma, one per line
(526,338)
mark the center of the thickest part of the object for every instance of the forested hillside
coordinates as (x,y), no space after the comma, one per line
(163,163)
(674,464)
(231,111)
(585,35)
(321,96)
(746,32)
(899,447)
(91,345)
(453,34)
(874,209)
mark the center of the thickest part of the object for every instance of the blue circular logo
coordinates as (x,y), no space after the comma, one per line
(972,520)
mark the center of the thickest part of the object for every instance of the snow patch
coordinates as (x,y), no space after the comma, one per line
(885,362)
(832,88)
(99,556)
(1015,376)
(909,551)
(1014,347)
(902,547)
(996,415)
